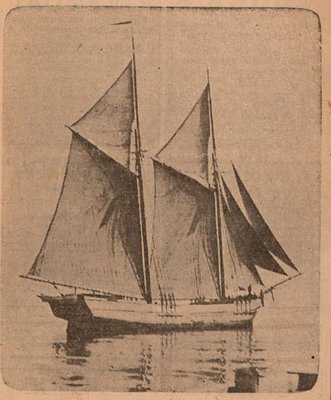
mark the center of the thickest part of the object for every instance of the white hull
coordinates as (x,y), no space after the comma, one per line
(90,310)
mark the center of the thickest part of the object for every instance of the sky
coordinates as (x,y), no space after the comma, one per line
(265,83)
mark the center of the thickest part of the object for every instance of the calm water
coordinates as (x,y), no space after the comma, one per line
(37,356)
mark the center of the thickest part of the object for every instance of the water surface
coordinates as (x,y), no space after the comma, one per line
(37,355)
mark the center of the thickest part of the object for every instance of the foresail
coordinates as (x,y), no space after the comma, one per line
(187,150)
(247,240)
(184,240)
(94,238)
(259,224)
(108,124)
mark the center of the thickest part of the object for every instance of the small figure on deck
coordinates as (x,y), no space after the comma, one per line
(170,301)
(249,291)
(165,301)
(173,300)
(262,297)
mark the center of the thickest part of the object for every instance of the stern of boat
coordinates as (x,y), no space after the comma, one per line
(68,307)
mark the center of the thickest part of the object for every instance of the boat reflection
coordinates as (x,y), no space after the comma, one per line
(74,350)
(220,361)
(246,381)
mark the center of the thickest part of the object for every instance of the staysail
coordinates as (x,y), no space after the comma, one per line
(260,226)
(240,270)
(184,239)
(94,240)
(248,244)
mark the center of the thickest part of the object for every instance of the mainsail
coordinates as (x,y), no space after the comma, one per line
(260,226)
(184,238)
(95,239)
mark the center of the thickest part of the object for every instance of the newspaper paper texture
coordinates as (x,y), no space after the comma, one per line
(163,202)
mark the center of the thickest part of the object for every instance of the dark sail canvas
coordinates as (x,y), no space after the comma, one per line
(259,224)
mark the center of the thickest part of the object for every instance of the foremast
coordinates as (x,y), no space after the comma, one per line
(138,166)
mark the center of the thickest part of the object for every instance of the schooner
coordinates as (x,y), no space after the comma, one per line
(201,268)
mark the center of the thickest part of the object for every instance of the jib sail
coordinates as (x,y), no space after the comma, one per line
(260,226)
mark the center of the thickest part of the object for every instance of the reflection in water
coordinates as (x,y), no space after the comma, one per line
(217,361)
(214,361)
(73,348)
(246,381)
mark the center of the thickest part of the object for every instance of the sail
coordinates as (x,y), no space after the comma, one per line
(248,242)
(94,238)
(238,275)
(184,238)
(240,270)
(108,124)
(187,150)
(259,224)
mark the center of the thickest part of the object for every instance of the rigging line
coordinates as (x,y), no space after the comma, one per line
(210,266)
(70,286)
(159,279)
(231,254)
(157,274)
(160,274)
(282,282)
(62,295)
(109,260)
(164,267)
(221,277)
(157,264)
(197,271)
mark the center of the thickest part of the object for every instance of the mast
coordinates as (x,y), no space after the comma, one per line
(141,202)
(221,280)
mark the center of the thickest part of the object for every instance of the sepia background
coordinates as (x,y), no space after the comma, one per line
(265,81)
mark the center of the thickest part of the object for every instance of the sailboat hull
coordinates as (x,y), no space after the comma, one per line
(97,313)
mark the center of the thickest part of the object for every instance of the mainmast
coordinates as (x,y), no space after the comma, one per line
(141,202)
(216,181)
